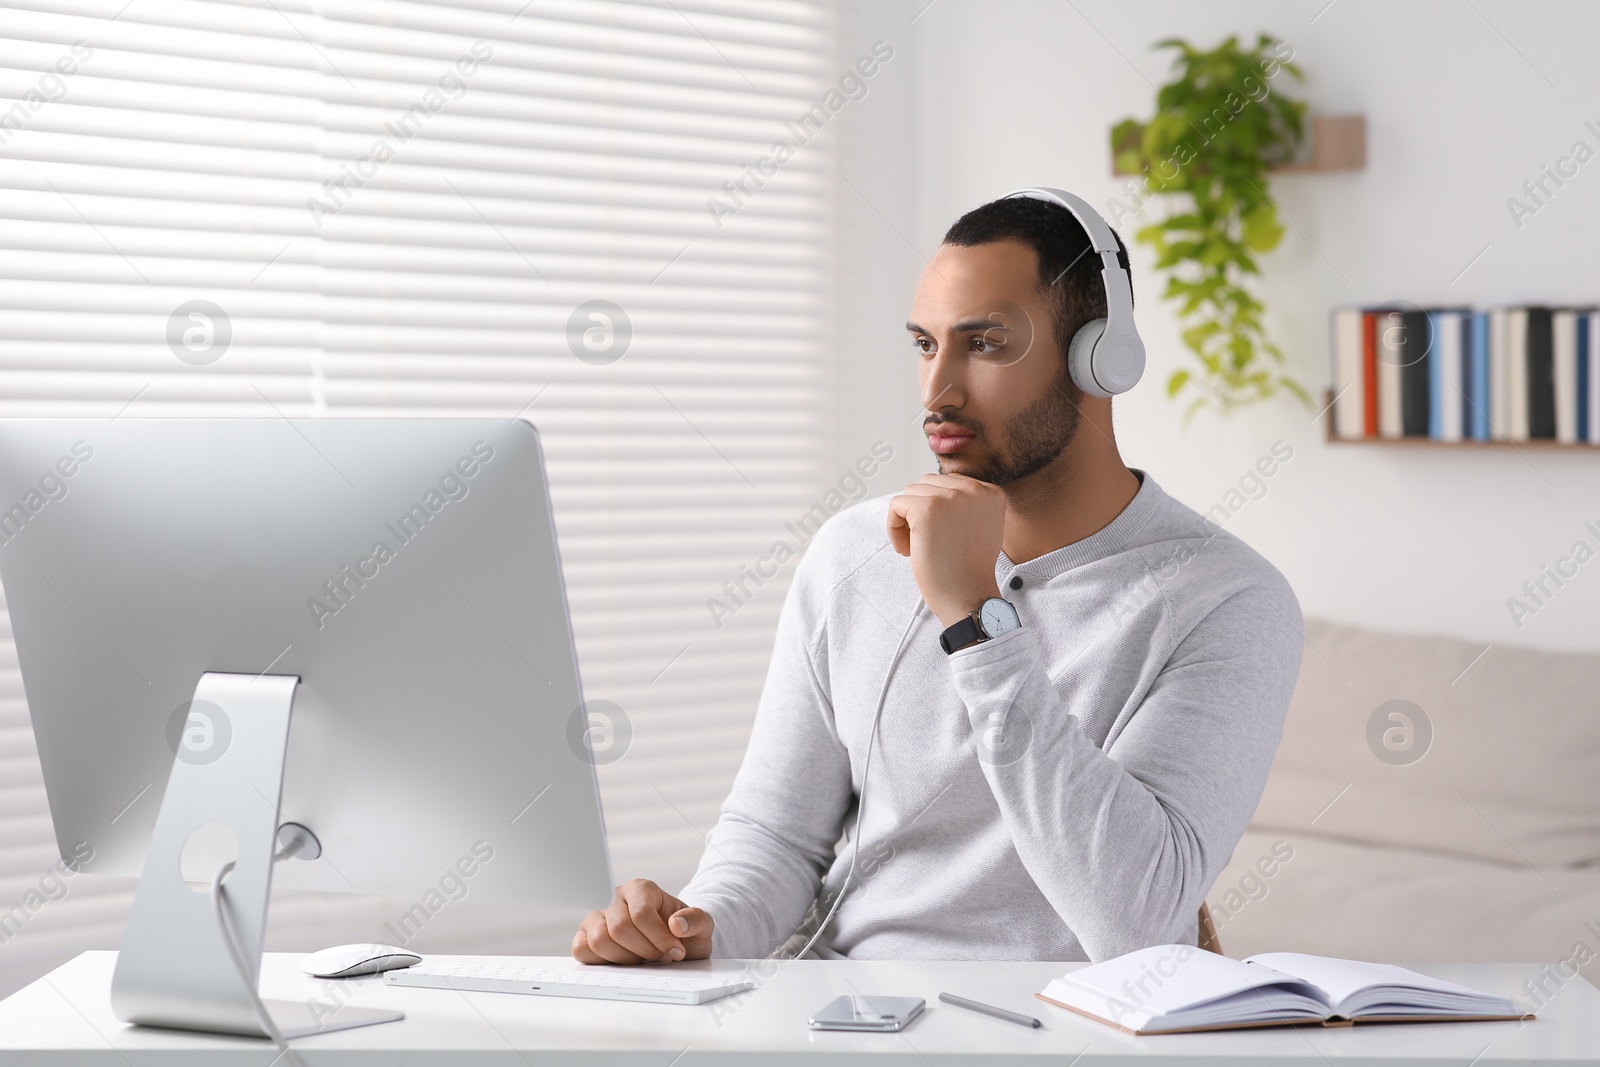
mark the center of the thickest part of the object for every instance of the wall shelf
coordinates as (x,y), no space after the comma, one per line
(1541,443)
(1338,143)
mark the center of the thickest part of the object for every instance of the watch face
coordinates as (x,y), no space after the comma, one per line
(998,616)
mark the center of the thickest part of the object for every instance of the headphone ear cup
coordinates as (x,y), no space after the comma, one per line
(1080,356)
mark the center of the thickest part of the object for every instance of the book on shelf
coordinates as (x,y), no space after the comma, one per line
(1391,413)
(1369,372)
(1564,371)
(1517,420)
(1499,374)
(1415,349)
(1588,360)
(1174,989)
(1478,388)
(1447,376)
(1527,373)
(1541,376)
(1583,372)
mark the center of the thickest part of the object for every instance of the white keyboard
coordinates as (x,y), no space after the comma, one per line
(595,983)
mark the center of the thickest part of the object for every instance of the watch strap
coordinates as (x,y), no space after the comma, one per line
(964,632)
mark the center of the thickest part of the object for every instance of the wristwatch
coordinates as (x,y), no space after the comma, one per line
(994,617)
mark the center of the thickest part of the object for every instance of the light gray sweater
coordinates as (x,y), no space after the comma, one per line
(1067,791)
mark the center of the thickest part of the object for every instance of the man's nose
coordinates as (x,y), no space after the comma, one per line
(941,384)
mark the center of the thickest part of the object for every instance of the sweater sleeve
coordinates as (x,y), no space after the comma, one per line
(1125,843)
(765,858)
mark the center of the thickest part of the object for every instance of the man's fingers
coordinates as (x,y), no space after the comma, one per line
(620,926)
(645,910)
(927,487)
(695,927)
(958,482)
(690,922)
(604,945)
(591,944)
(906,508)
(581,950)
(900,525)
(633,928)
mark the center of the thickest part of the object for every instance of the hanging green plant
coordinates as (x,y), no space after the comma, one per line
(1219,124)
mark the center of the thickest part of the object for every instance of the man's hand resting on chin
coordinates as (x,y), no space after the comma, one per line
(952,527)
(644,924)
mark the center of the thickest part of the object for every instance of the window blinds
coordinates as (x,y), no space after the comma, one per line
(337,207)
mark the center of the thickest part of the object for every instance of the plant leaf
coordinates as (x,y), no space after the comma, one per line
(1262,230)
(1206,149)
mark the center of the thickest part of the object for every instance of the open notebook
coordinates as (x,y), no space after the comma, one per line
(1180,988)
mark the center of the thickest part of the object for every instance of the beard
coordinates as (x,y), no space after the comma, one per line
(1033,438)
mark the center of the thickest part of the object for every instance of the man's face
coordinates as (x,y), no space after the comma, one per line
(1000,402)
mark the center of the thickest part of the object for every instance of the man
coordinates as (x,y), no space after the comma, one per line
(1068,788)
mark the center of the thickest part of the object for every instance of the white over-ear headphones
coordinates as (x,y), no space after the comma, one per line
(1106,356)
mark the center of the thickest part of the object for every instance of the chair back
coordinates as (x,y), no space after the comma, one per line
(1208,932)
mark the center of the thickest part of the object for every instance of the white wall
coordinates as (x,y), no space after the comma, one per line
(1462,108)
(882,242)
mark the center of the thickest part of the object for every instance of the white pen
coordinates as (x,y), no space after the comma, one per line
(998,1013)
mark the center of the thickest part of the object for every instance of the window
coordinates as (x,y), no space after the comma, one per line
(368,207)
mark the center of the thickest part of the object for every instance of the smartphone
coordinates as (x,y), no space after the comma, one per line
(868,1013)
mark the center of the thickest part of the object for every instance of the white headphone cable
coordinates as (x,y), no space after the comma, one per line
(866,771)
(220,908)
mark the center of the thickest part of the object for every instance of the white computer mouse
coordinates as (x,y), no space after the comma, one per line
(349,961)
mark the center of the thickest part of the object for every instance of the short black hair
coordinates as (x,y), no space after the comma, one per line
(1069,270)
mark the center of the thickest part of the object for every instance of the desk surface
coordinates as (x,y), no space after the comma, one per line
(65,1019)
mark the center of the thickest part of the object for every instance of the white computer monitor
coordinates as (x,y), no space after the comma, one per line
(358,626)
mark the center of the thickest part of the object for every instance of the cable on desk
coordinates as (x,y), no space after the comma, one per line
(263,1016)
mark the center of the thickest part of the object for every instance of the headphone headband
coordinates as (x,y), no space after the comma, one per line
(1106,356)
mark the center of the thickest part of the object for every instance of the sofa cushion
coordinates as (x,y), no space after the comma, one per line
(1396,905)
(1435,743)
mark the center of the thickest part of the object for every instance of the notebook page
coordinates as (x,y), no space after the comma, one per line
(1346,981)
(1166,980)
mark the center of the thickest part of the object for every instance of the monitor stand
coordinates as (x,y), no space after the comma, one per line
(175,970)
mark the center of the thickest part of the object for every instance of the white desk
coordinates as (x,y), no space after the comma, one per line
(64,1020)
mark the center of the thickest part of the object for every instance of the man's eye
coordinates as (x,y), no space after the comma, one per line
(921,343)
(984,344)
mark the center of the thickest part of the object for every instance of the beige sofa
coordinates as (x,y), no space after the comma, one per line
(1375,840)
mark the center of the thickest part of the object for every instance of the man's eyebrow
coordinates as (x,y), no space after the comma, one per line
(979,326)
(970,326)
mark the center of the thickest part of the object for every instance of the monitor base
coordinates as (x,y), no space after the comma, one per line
(296,1018)
(176,970)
